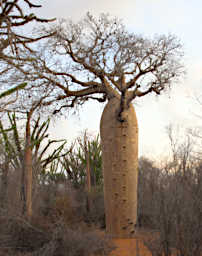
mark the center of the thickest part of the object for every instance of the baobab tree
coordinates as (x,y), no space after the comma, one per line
(98,59)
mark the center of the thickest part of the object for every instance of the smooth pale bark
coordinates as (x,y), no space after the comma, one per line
(120,169)
(28,170)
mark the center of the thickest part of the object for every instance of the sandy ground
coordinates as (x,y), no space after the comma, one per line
(130,247)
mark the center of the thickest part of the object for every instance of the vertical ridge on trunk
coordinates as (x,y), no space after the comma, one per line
(120,163)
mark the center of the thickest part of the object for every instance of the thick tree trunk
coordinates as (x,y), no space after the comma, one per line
(120,169)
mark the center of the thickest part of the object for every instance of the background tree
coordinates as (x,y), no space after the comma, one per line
(175,214)
(15,35)
(16,14)
(148,184)
(99,59)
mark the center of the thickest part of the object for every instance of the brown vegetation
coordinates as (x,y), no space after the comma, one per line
(169,209)
(57,228)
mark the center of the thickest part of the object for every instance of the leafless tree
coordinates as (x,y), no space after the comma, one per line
(182,145)
(15,14)
(15,34)
(176,213)
(148,184)
(98,59)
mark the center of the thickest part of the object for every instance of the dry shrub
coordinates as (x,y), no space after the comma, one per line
(153,244)
(65,209)
(70,206)
(63,205)
(58,226)
(68,242)
(18,234)
(96,213)
(59,231)
(13,198)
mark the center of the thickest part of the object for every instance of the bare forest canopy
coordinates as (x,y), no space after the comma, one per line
(97,59)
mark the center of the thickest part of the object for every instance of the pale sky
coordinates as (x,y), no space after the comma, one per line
(148,17)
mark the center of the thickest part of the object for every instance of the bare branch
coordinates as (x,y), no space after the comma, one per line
(99,56)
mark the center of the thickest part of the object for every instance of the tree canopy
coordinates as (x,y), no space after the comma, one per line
(97,58)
